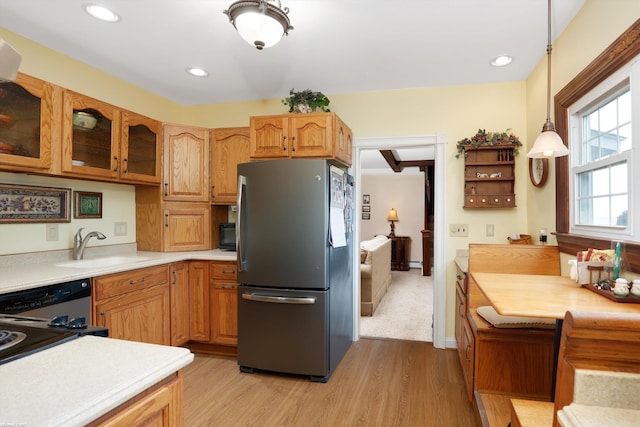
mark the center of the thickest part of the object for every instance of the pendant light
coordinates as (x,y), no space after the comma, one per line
(260,23)
(548,143)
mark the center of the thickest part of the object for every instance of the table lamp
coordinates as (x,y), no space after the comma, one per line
(392,216)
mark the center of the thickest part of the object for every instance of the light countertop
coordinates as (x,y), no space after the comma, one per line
(78,381)
(35,274)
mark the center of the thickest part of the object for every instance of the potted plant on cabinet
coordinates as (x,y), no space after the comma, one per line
(306,101)
(489,138)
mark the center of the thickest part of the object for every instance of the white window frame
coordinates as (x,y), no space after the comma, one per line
(631,232)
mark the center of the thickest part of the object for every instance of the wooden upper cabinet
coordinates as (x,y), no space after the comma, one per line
(28,123)
(141,149)
(268,136)
(186,163)
(343,138)
(316,135)
(90,151)
(229,147)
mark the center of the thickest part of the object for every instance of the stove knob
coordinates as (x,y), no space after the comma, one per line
(77,323)
(59,321)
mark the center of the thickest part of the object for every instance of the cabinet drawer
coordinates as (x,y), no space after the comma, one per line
(502,201)
(224,271)
(129,281)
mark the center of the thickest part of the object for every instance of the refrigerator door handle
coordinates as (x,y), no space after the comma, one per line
(279,300)
(242,183)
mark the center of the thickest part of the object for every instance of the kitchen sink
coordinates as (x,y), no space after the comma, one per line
(103,262)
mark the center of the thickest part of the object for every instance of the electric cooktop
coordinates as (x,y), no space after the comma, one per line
(22,336)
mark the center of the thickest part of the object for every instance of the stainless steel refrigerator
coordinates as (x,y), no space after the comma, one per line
(294,243)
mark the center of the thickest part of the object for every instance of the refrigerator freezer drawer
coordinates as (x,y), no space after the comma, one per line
(284,331)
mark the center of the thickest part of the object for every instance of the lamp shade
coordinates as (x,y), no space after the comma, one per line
(548,144)
(393,215)
(259,22)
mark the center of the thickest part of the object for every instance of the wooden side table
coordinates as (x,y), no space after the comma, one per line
(400,246)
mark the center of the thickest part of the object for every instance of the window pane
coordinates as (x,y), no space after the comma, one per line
(619,210)
(609,117)
(600,185)
(619,178)
(584,184)
(624,107)
(600,211)
(625,137)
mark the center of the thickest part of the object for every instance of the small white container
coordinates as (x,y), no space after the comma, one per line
(635,287)
(621,288)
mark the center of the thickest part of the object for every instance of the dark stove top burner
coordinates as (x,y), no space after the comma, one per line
(21,335)
(10,338)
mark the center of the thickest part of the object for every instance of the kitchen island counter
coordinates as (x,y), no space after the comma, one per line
(77,382)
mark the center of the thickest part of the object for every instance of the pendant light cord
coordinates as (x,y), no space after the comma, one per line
(549,65)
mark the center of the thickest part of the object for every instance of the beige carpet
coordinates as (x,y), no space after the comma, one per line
(406,310)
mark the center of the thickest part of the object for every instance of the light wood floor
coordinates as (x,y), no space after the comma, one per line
(378,383)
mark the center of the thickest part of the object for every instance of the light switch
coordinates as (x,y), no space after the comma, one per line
(52,232)
(120,229)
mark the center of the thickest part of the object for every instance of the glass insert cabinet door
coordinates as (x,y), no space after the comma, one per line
(26,123)
(140,148)
(90,142)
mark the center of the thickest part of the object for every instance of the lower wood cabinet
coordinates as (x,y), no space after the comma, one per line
(179,293)
(134,305)
(162,406)
(213,302)
(199,323)
(224,303)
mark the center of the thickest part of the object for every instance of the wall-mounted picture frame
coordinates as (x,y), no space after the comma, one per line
(87,204)
(366,209)
(366,215)
(27,204)
(366,199)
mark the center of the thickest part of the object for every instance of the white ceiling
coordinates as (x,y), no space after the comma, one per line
(337,46)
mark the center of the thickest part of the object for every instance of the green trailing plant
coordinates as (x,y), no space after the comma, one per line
(489,138)
(315,100)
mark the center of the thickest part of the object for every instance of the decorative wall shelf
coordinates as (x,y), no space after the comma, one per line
(489,176)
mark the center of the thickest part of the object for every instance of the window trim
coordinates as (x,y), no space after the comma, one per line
(614,57)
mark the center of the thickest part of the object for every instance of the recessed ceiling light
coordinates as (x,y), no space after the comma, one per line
(198,72)
(101,13)
(501,61)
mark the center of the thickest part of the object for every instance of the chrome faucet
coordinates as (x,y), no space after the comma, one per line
(80,243)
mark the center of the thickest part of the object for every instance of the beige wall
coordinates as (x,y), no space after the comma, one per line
(457,111)
(404,193)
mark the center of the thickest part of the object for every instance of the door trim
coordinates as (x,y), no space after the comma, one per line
(439,142)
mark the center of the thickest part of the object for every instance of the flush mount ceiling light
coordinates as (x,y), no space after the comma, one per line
(101,13)
(197,72)
(260,22)
(501,61)
(548,143)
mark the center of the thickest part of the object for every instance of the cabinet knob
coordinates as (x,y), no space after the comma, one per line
(293,144)
(126,165)
(116,159)
(175,277)
(284,143)
(166,189)
(166,220)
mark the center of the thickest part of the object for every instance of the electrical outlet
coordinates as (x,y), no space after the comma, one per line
(120,229)
(490,230)
(459,230)
(52,232)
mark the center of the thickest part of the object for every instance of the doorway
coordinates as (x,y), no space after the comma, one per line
(438,143)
